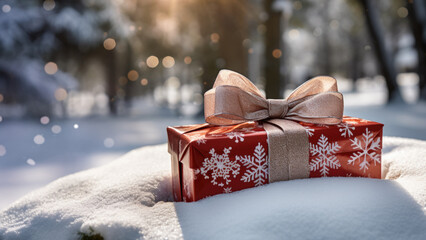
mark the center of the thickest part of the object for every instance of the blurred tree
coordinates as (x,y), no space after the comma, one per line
(383,56)
(417,16)
(273,50)
(36,32)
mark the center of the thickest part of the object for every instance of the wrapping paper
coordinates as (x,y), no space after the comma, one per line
(209,160)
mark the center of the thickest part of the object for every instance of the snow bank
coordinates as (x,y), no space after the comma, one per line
(130,198)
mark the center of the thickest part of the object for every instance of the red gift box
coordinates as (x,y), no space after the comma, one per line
(209,160)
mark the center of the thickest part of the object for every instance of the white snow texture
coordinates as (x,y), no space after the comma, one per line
(130,198)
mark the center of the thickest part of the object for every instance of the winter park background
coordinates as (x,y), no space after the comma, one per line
(83,82)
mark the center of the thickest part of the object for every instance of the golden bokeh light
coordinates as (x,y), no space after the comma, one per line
(187,60)
(50,68)
(276,53)
(402,12)
(214,37)
(250,50)
(133,75)
(61,94)
(144,82)
(152,61)
(122,81)
(109,44)
(168,62)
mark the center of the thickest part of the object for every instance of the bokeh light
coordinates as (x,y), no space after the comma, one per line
(1,118)
(122,81)
(168,62)
(56,129)
(39,139)
(49,5)
(2,150)
(214,37)
(109,44)
(50,68)
(133,75)
(75,126)
(109,142)
(31,162)
(61,94)
(276,53)
(152,61)
(144,82)
(6,8)
(187,60)
(44,120)
(402,12)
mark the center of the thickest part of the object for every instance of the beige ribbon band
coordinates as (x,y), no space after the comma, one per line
(234,99)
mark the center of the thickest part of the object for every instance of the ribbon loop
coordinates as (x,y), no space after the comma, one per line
(277,108)
(234,99)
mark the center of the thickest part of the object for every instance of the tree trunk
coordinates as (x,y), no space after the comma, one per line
(272,42)
(417,16)
(383,57)
(110,64)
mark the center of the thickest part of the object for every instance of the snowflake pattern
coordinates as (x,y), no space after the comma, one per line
(220,166)
(309,131)
(186,189)
(346,129)
(325,158)
(200,139)
(227,190)
(257,166)
(239,136)
(368,149)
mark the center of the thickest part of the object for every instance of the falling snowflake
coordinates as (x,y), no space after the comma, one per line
(227,190)
(257,166)
(220,167)
(239,136)
(346,129)
(325,158)
(368,149)
(309,131)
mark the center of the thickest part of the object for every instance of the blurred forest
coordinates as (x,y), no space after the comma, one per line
(75,58)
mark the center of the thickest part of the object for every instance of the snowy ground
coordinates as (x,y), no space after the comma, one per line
(130,198)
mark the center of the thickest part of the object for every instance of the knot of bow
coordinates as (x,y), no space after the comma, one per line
(234,99)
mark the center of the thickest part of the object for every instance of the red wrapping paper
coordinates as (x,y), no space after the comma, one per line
(209,160)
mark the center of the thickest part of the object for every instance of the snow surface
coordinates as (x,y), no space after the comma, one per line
(130,198)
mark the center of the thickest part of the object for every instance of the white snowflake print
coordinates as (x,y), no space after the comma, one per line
(239,136)
(220,167)
(186,189)
(325,158)
(257,166)
(309,131)
(200,139)
(368,149)
(346,129)
(227,190)
(196,172)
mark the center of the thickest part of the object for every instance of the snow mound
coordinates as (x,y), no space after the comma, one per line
(130,198)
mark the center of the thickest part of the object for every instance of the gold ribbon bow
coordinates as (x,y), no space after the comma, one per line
(234,99)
